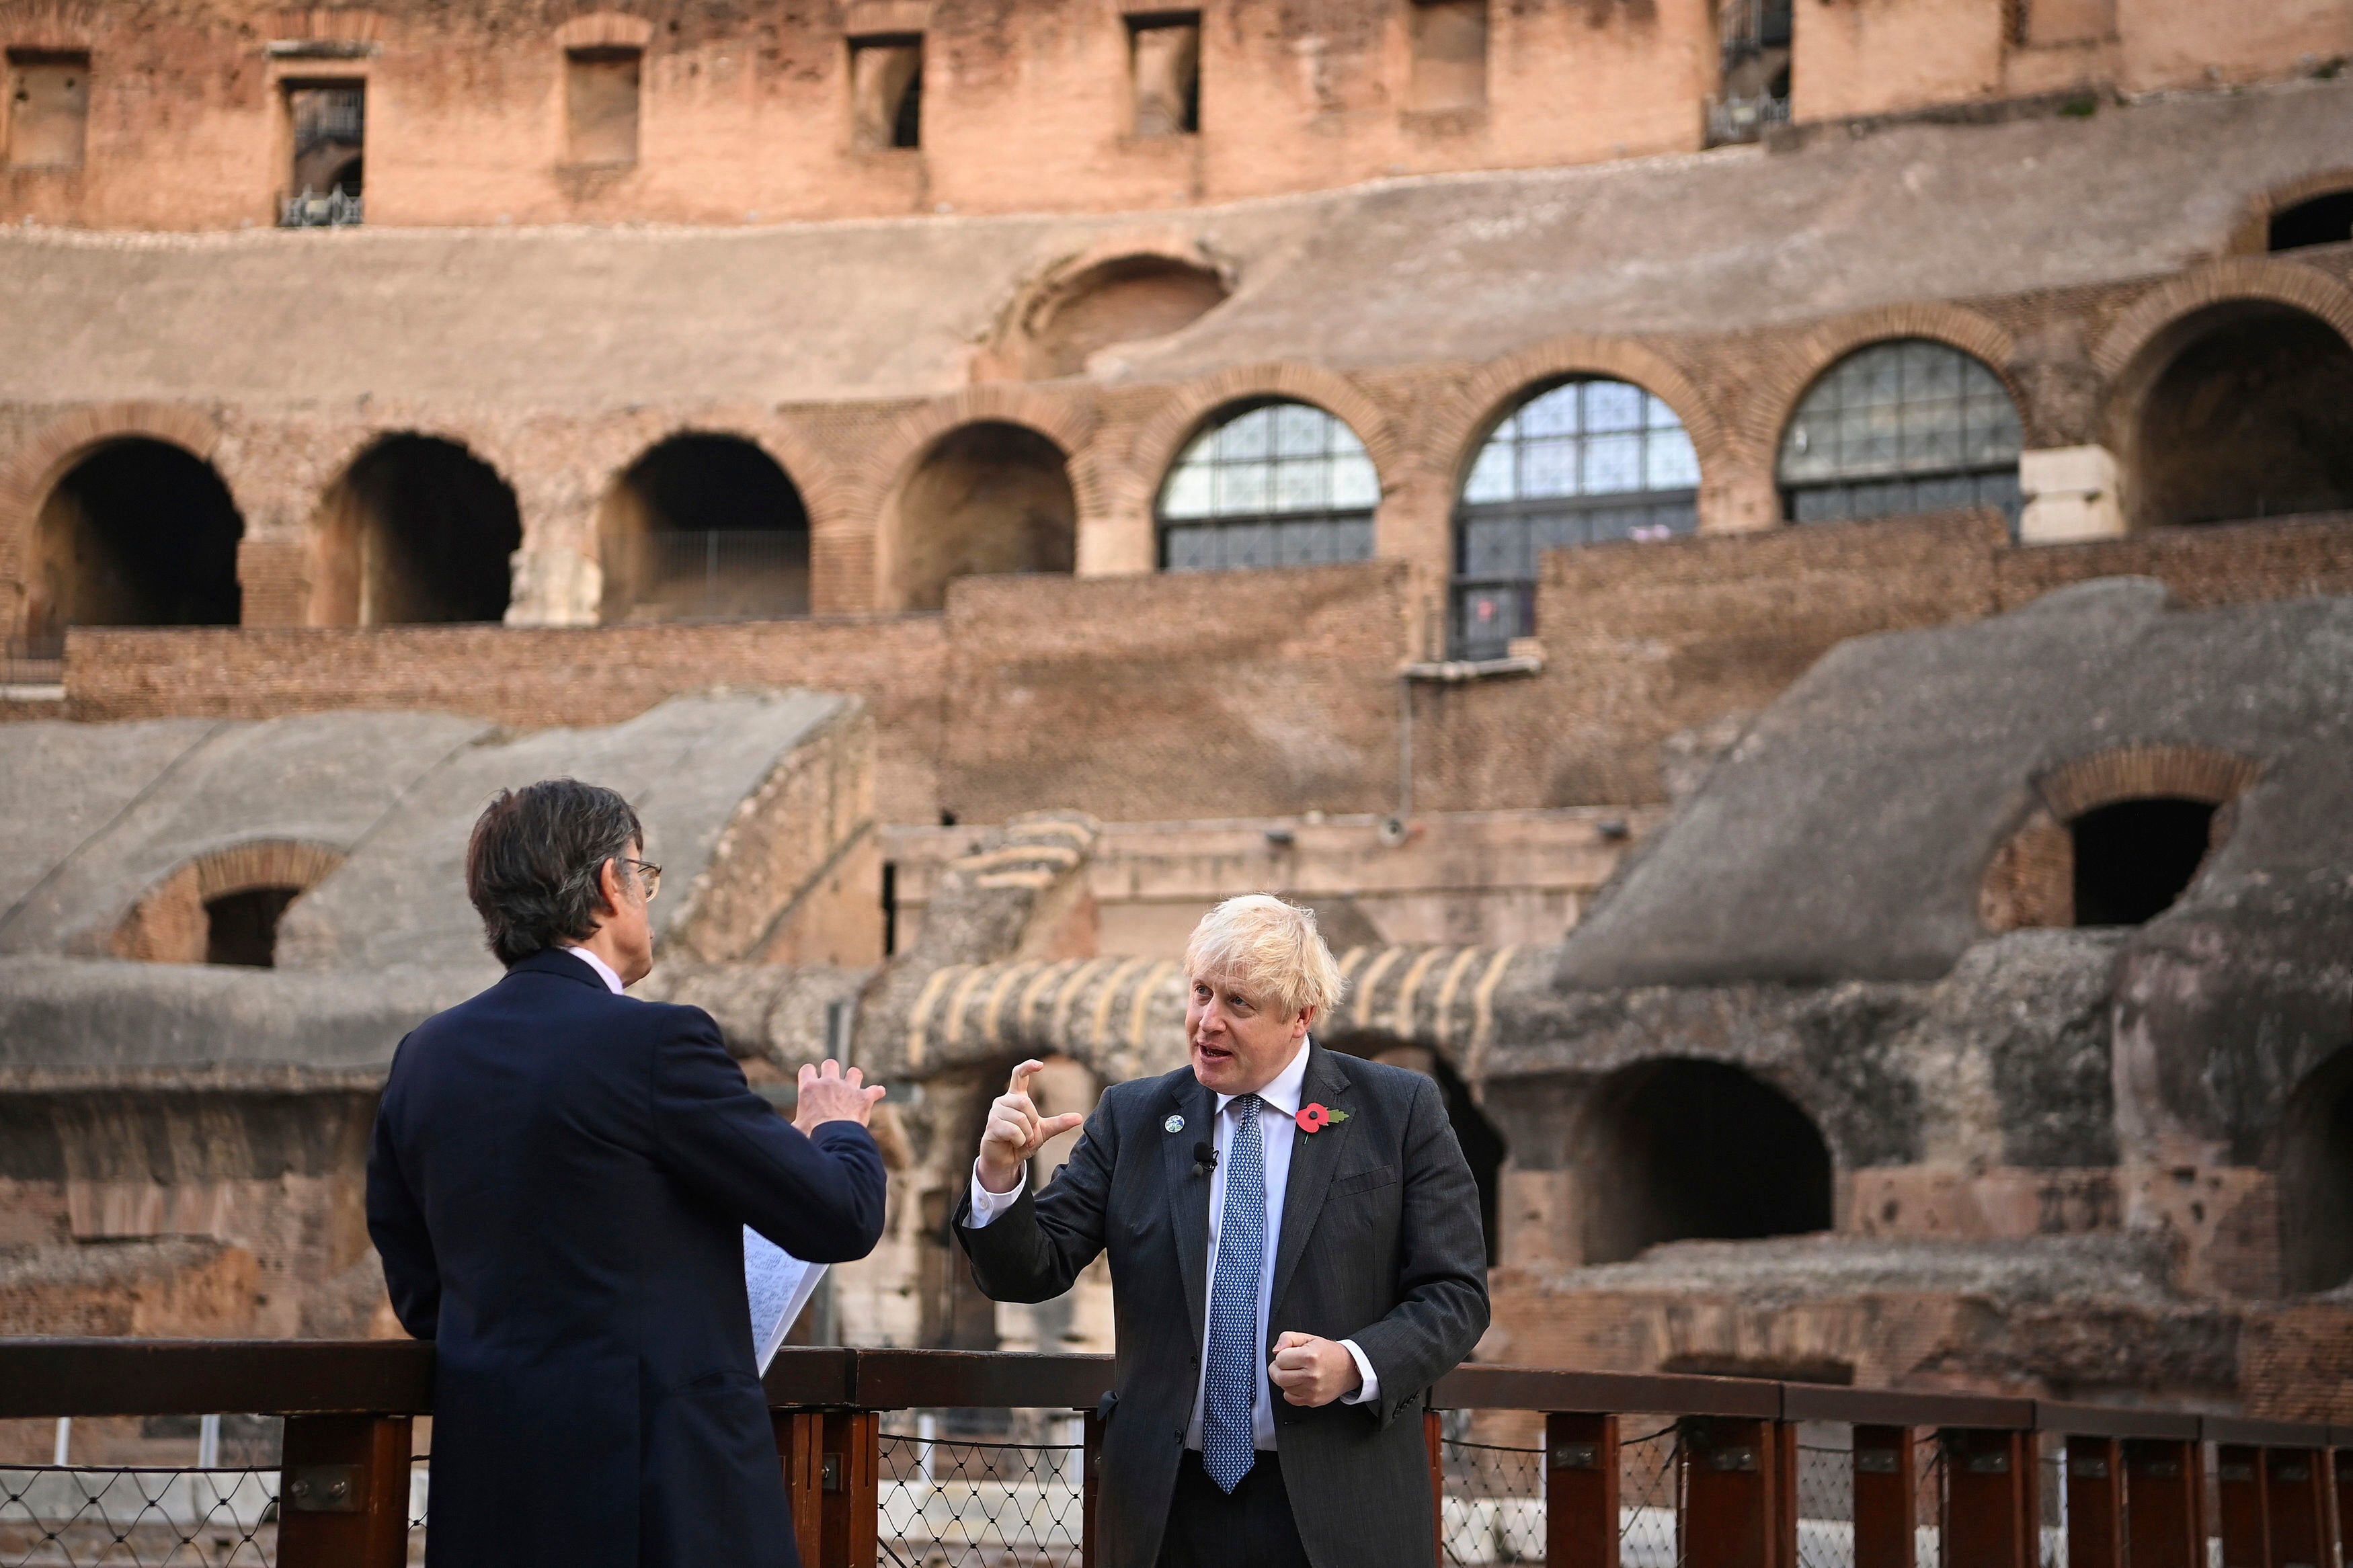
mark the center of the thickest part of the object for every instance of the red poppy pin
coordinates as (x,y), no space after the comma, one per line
(1311,1118)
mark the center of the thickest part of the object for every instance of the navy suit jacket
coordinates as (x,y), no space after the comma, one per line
(557,1184)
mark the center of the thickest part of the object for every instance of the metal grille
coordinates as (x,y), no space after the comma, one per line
(32,661)
(337,209)
(1904,426)
(1581,463)
(950,1504)
(75,1514)
(725,574)
(1650,1473)
(1825,1506)
(1495,1503)
(1282,484)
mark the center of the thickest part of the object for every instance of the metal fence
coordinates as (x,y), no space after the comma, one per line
(1723,1471)
(338,208)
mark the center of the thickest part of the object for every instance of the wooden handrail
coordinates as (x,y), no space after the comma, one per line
(42,1378)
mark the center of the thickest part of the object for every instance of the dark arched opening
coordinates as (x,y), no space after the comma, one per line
(138,533)
(1682,1150)
(1482,1144)
(987,499)
(2250,417)
(2322,220)
(2316,1179)
(418,529)
(2135,858)
(241,928)
(705,527)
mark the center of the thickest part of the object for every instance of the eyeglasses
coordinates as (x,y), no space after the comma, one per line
(648,878)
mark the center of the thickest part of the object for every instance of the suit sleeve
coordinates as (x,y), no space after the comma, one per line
(1441,1309)
(819,1197)
(396,1225)
(1034,1250)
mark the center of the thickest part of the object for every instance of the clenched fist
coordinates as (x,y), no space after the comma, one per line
(1014,1130)
(1312,1371)
(827,1094)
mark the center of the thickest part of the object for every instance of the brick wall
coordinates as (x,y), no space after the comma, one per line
(1178,696)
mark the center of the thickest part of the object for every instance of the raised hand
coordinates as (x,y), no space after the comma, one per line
(1015,1130)
(1312,1371)
(828,1094)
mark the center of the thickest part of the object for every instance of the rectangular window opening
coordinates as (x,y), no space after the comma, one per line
(1165,71)
(49,108)
(327,174)
(601,89)
(886,92)
(1450,54)
(1753,88)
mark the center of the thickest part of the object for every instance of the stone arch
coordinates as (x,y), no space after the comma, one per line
(33,470)
(2032,879)
(180,918)
(1791,372)
(1450,433)
(1687,1148)
(605,29)
(1164,282)
(2259,317)
(344,589)
(2253,237)
(982,496)
(916,435)
(1163,434)
(2316,1178)
(640,501)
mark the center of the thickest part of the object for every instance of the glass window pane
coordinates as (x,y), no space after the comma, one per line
(1249,545)
(1554,414)
(1612,405)
(1353,482)
(1352,539)
(1192,549)
(1490,476)
(1613,464)
(1299,485)
(1248,434)
(1191,494)
(1910,406)
(1300,430)
(1672,464)
(1242,488)
(1548,468)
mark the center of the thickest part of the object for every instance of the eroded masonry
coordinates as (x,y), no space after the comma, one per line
(1778,573)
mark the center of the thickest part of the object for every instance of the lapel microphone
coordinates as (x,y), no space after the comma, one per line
(1205,1158)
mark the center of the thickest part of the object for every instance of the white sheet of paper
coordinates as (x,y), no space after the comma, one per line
(779,1286)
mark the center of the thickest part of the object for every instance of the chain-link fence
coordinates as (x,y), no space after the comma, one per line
(65,1516)
(957,1503)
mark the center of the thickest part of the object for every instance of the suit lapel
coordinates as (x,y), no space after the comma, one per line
(1188,1195)
(1314,1156)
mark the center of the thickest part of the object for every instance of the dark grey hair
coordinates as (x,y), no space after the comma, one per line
(532,862)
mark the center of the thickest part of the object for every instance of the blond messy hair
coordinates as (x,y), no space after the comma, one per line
(1270,950)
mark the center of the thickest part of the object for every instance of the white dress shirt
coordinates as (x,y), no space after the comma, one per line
(604,970)
(1278,1110)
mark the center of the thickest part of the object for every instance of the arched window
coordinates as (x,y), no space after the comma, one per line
(1901,427)
(1278,484)
(1579,462)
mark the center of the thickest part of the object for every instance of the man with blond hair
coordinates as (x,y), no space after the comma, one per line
(1295,1256)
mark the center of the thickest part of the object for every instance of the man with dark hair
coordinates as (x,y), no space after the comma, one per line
(558,1185)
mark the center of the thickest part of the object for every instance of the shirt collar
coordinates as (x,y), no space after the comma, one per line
(613,982)
(1289,1084)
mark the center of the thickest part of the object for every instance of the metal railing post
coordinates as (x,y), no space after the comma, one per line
(1884,1503)
(1582,1480)
(1735,1512)
(1433,1437)
(2095,1503)
(800,1451)
(342,1492)
(2165,1503)
(850,1475)
(1993,1518)
(1090,1468)
(2243,1522)
(2296,1498)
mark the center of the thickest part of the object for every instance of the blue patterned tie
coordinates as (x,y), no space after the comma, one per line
(1227,1449)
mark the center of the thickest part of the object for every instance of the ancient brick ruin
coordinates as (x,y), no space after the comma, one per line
(1774,569)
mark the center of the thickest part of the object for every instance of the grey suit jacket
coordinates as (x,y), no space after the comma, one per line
(1380,1243)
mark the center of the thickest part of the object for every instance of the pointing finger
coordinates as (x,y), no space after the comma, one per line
(1020,1078)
